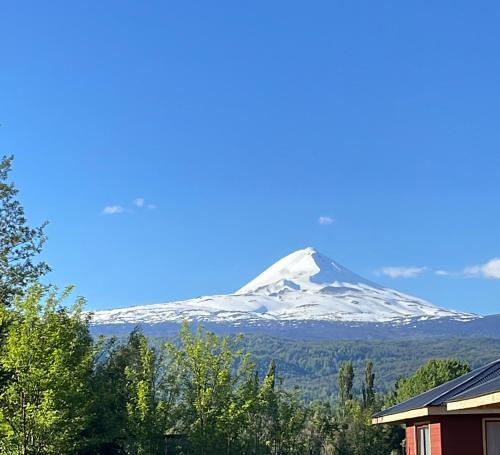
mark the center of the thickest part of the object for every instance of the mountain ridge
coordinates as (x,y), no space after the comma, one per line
(302,286)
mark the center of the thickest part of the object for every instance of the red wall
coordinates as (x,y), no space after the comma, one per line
(436,439)
(463,435)
(450,435)
(435,434)
(410,441)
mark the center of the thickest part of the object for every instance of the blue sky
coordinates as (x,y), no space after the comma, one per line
(239,125)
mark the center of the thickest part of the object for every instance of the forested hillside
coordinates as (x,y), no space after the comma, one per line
(314,366)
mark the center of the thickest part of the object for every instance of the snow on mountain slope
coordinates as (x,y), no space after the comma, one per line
(304,285)
(306,270)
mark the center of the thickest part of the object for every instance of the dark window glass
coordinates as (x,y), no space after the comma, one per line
(492,428)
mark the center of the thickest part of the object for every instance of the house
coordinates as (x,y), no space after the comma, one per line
(460,417)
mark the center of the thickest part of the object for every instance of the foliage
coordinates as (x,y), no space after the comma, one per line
(345,382)
(19,243)
(223,407)
(68,393)
(48,354)
(313,366)
(432,374)
(368,389)
(146,404)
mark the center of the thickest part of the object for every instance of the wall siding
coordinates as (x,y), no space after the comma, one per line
(462,435)
(435,433)
(411,448)
(435,436)
(451,434)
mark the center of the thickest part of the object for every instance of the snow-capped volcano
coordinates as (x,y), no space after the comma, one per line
(304,270)
(303,286)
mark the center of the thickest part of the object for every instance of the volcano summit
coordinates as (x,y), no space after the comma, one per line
(303,286)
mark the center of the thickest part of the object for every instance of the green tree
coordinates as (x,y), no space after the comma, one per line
(345,382)
(19,243)
(106,430)
(146,406)
(320,428)
(351,432)
(432,374)
(133,398)
(269,410)
(292,418)
(48,355)
(368,389)
(215,385)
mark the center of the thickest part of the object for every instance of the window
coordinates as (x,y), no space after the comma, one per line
(492,434)
(423,440)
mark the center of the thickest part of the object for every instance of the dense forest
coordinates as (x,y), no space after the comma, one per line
(63,391)
(313,366)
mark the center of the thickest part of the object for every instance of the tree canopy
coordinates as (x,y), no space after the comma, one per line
(48,354)
(19,243)
(433,373)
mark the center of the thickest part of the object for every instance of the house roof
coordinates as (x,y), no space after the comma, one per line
(482,381)
(491,386)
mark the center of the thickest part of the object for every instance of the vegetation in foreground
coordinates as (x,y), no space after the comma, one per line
(63,392)
(66,393)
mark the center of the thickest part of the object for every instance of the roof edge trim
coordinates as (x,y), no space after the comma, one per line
(474,402)
(412,414)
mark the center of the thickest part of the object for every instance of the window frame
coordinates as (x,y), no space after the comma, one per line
(417,439)
(485,420)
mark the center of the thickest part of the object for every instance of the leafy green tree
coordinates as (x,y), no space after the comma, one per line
(345,382)
(433,373)
(269,409)
(292,419)
(214,383)
(19,243)
(147,410)
(281,417)
(368,386)
(106,430)
(48,355)
(133,398)
(320,428)
(349,424)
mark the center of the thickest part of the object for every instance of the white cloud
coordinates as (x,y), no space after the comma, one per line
(112,210)
(443,273)
(139,202)
(401,272)
(325,220)
(490,269)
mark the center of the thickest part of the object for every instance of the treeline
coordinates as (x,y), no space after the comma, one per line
(313,366)
(64,392)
